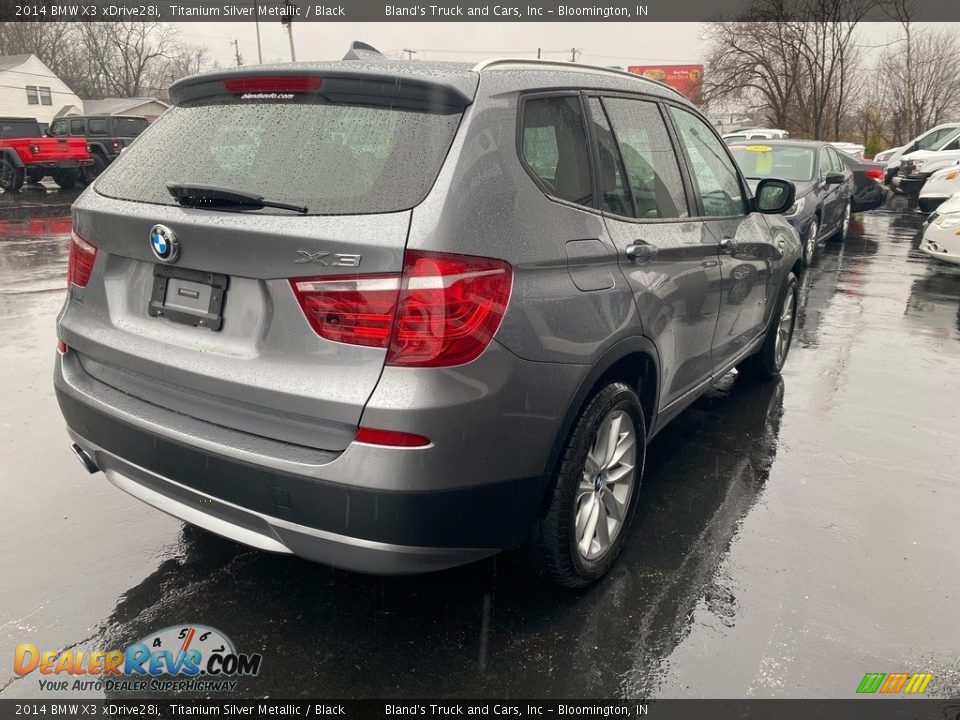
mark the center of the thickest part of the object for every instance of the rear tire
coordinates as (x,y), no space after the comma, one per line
(92,171)
(11,176)
(66,179)
(769,360)
(844,230)
(594,494)
(810,244)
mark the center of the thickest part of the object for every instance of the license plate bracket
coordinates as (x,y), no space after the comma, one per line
(188,297)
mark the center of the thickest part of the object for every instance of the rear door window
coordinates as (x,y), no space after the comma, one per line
(98,126)
(653,172)
(554,147)
(334,158)
(77,127)
(615,194)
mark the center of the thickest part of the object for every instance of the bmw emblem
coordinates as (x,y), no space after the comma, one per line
(164,243)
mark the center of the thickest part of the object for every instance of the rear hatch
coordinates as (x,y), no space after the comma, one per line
(60,149)
(204,315)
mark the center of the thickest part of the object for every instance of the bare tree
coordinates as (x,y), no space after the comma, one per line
(122,59)
(922,79)
(794,65)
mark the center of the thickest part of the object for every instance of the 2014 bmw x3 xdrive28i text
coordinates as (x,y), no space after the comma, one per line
(396,317)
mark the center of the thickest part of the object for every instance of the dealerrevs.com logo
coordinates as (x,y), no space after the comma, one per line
(175,659)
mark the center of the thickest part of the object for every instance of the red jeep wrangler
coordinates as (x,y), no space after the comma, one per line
(26,155)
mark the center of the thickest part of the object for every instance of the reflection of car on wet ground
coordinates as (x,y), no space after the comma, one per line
(474,389)
(824,183)
(941,233)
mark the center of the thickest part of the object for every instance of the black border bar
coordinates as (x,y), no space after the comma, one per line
(641,11)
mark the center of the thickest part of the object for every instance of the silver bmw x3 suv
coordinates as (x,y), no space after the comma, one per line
(396,317)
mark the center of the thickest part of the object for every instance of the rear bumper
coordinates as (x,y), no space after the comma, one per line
(353,527)
(60,164)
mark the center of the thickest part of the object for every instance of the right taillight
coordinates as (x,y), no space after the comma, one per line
(443,310)
(80,264)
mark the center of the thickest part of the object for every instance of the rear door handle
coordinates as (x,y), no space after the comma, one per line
(728,245)
(641,252)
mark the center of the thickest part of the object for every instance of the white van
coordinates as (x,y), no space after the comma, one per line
(932,139)
(917,166)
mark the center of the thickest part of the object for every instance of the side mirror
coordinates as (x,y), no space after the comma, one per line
(774,197)
(834,178)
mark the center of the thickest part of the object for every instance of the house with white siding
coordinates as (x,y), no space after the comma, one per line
(28,88)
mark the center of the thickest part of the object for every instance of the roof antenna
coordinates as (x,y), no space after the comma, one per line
(361,51)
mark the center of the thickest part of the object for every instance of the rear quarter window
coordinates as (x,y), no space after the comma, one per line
(333,158)
(553,146)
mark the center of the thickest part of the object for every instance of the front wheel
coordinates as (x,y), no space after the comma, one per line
(769,360)
(594,494)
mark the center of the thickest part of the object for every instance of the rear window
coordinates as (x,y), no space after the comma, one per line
(333,158)
(129,127)
(19,129)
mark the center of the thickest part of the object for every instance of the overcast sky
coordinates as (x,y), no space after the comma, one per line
(602,43)
(609,43)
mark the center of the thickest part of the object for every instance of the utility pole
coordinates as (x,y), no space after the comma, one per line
(574,52)
(287,21)
(236,50)
(410,53)
(538,53)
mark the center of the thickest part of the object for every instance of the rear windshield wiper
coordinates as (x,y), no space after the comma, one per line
(210,196)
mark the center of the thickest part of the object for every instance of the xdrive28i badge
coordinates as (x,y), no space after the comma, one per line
(164,243)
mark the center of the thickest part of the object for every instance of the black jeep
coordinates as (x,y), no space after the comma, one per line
(106,135)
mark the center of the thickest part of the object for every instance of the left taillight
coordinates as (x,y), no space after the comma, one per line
(80,264)
(875,174)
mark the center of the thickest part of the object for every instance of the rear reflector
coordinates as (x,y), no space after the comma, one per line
(62,347)
(391,438)
(443,310)
(291,84)
(875,174)
(357,310)
(80,263)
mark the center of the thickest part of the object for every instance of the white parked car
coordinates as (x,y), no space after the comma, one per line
(917,166)
(852,149)
(755,134)
(942,184)
(941,236)
(932,139)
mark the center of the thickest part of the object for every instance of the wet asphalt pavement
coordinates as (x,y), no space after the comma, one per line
(790,537)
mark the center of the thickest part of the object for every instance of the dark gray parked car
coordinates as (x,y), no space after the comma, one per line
(397,317)
(824,182)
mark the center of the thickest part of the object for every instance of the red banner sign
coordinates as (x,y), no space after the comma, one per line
(683,78)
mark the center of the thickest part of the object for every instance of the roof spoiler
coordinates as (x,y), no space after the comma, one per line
(361,51)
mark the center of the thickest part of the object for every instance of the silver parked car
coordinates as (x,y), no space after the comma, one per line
(396,317)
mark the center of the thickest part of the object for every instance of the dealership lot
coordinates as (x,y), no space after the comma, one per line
(790,537)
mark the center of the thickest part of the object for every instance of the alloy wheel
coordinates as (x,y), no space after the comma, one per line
(605,490)
(785,328)
(812,240)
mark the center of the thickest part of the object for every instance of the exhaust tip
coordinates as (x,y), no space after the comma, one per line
(89,465)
